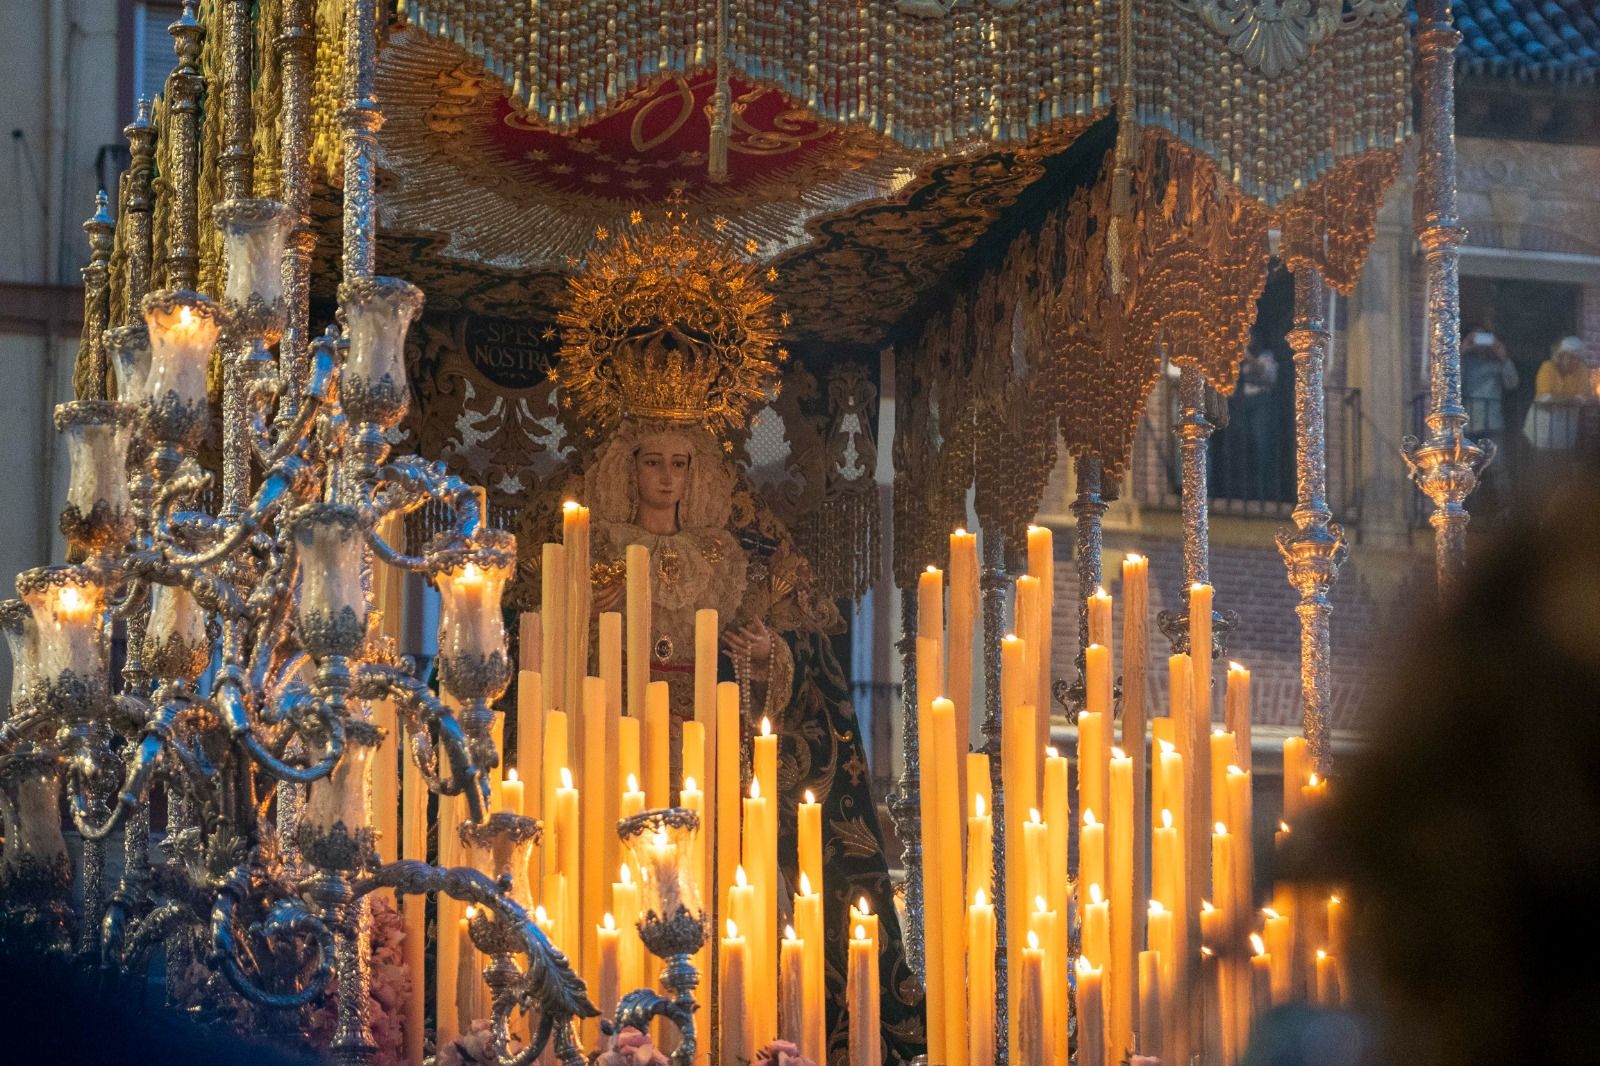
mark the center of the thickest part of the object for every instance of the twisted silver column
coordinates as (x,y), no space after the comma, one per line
(1446,466)
(906,807)
(1315,546)
(1090,508)
(993,582)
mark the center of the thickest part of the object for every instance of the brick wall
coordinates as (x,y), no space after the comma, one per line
(1369,607)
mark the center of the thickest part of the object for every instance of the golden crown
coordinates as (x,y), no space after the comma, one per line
(667,323)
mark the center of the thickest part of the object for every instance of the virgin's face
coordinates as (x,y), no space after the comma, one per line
(662,472)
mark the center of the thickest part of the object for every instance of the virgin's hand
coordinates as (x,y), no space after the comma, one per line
(753,640)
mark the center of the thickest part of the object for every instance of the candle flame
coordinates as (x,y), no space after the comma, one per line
(1084,969)
(1283,827)
(633,783)
(1157,907)
(980,898)
(1235,769)
(978,806)
(1206,907)
(861,932)
(1040,906)
(511,774)
(541,915)
(1050,752)
(472,912)
(931,569)
(660,839)
(1166,818)
(1011,638)
(810,797)
(1198,586)
(805,884)
(1100,593)
(788,933)
(1220,829)
(568,506)
(863,906)
(1257,945)
(1335,899)
(185,316)
(71,598)
(1033,816)
(471,574)
(1205,952)
(1167,748)
(739,877)
(1133,557)
(625,875)
(1321,954)
(1118,753)
(609,922)
(733,930)
(1095,895)
(1033,940)
(1235,668)
(566,777)
(1312,781)
(1089,818)
(960,532)
(766,726)
(688,786)
(1270,914)
(755,788)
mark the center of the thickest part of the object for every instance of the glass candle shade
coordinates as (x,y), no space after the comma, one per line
(35,855)
(661,843)
(183,331)
(501,847)
(336,826)
(176,645)
(98,515)
(472,631)
(253,235)
(332,610)
(22,636)
(128,349)
(68,605)
(377,313)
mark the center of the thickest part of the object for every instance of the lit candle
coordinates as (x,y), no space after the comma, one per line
(1018,740)
(1260,977)
(760,862)
(1100,618)
(511,792)
(1338,938)
(809,832)
(468,976)
(1057,883)
(1215,1004)
(764,766)
(1042,566)
(980,979)
(980,848)
(808,921)
(1241,814)
(791,988)
(608,937)
(1092,1048)
(1091,857)
(1279,938)
(567,911)
(1327,982)
(1171,885)
(636,558)
(580,594)
(1093,791)
(727,743)
(731,1002)
(930,668)
(1236,713)
(963,612)
(1031,1046)
(1052,942)
(633,798)
(861,996)
(950,915)
(625,904)
(1096,924)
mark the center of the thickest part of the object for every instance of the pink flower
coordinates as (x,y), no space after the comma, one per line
(631,1048)
(781,1053)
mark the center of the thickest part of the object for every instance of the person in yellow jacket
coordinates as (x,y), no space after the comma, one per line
(1564,382)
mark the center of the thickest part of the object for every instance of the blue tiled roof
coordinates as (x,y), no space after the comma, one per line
(1532,40)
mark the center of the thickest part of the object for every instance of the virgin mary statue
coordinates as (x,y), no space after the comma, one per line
(668,344)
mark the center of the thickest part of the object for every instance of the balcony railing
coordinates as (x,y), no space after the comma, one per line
(1251,456)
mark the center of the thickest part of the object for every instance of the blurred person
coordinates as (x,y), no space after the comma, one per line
(1562,387)
(1254,416)
(1468,829)
(1488,377)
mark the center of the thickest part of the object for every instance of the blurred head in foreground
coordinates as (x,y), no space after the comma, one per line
(1468,830)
